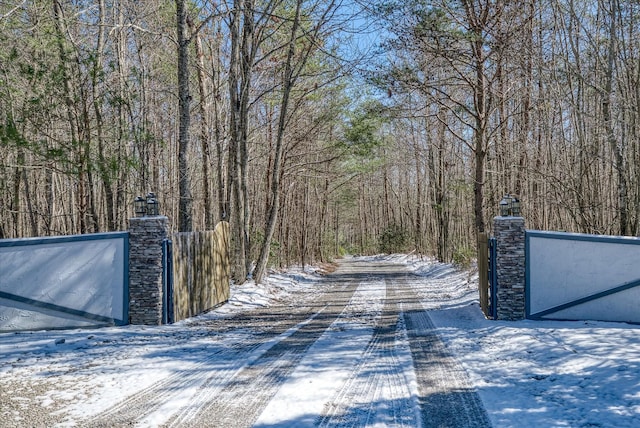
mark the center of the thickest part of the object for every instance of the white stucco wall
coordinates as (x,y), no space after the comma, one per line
(61,278)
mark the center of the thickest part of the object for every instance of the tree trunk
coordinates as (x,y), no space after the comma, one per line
(185,222)
(616,147)
(72,116)
(235,197)
(105,173)
(288,83)
(205,141)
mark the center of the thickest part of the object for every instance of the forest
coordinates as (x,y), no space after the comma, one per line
(318,128)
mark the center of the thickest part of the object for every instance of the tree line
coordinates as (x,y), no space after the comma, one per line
(268,114)
(537,98)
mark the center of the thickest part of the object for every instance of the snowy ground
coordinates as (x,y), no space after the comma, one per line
(551,374)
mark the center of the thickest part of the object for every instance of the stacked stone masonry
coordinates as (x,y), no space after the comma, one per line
(146,235)
(510,262)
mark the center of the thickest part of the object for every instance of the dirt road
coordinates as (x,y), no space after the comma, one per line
(363,352)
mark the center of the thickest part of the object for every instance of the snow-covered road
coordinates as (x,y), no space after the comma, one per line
(386,341)
(357,351)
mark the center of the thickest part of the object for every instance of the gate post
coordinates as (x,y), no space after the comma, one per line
(483,272)
(146,273)
(509,233)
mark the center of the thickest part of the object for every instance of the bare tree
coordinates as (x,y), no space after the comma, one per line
(184,207)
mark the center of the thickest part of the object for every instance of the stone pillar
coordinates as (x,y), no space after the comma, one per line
(145,269)
(510,263)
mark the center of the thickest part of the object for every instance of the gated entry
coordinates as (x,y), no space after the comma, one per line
(196,272)
(582,277)
(64,282)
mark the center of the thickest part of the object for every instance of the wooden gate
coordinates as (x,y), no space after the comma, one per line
(199,267)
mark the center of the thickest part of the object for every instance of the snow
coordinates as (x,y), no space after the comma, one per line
(336,351)
(527,373)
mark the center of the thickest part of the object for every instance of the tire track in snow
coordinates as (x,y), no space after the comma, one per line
(243,375)
(328,362)
(381,390)
(243,399)
(179,389)
(432,392)
(405,376)
(446,396)
(171,389)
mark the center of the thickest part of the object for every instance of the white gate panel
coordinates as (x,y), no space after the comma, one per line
(578,276)
(62,282)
